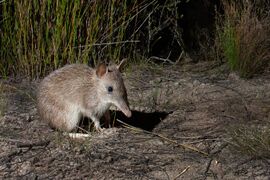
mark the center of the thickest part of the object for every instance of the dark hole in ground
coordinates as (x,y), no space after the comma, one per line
(146,121)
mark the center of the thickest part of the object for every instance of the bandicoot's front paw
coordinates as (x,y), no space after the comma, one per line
(100,129)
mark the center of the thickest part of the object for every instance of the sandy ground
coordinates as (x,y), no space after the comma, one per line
(193,107)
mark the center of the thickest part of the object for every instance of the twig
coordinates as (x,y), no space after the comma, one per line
(185,146)
(180,57)
(220,148)
(162,59)
(207,167)
(31,145)
(108,43)
(185,170)
(87,132)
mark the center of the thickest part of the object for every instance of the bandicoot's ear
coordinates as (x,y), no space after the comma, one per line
(121,65)
(101,70)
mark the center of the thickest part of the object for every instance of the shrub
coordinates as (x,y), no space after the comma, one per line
(244,37)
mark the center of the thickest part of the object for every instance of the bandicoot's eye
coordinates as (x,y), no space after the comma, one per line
(110,89)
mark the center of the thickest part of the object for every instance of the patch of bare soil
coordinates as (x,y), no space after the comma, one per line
(196,105)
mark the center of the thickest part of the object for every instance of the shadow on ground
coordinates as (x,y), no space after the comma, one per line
(146,121)
(143,120)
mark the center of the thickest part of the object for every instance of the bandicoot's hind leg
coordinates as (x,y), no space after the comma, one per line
(71,118)
(63,118)
(62,122)
(51,110)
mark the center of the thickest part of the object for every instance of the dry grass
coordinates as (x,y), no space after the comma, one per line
(254,44)
(243,36)
(37,37)
(243,40)
(253,141)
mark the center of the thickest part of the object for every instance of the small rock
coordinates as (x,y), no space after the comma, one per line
(196,83)
(190,85)
(109,159)
(233,76)
(158,80)
(102,156)
(24,168)
(142,109)
(151,82)
(28,118)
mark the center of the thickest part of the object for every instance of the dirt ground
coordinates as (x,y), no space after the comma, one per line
(192,108)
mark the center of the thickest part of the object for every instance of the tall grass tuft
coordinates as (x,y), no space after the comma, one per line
(243,34)
(39,36)
(229,45)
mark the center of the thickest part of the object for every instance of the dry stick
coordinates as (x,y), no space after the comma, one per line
(87,132)
(208,167)
(31,145)
(179,58)
(185,146)
(185,170)
(162,59)
(108,43)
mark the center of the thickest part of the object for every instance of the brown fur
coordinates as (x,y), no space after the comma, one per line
(78,90)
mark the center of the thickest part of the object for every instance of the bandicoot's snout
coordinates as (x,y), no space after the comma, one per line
(128,113)
(124,108)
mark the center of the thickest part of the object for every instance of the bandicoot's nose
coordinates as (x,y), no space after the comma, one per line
(128,113)
(124,108)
